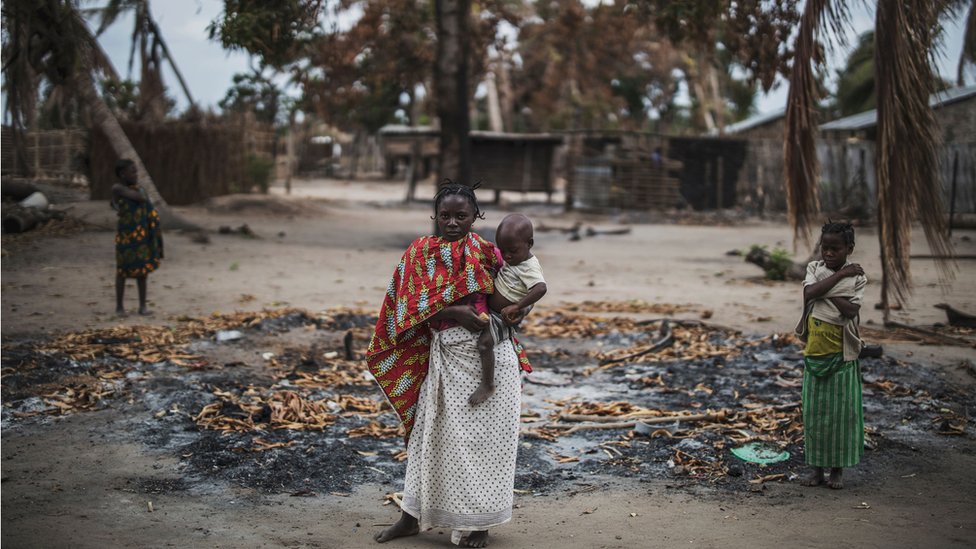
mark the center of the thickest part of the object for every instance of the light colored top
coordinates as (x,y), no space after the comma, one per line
(515,281)
(852,288)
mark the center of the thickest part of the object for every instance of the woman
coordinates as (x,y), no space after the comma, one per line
(424,355)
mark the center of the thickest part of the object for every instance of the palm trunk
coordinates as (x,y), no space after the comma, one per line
(103,118)
(451,81)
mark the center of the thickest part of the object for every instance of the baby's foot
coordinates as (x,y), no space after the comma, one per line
(815,478)
(476,539)
(836,480)
(480,395)
(406,526)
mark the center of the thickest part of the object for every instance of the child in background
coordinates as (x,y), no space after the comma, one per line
(833,416)
(519,284)
(138,238)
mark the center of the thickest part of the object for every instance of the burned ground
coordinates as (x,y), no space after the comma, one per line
(282,410)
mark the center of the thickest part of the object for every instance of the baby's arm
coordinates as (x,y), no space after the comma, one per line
(534,294)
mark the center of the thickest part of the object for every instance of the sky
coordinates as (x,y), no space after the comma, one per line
(209,69)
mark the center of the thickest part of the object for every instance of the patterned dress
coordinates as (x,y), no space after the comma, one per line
(138,238)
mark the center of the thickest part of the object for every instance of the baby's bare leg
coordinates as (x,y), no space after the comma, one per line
(486,348)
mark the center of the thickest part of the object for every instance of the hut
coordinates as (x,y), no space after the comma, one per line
(645,171)
(760,182)
(501,161)
(847,150)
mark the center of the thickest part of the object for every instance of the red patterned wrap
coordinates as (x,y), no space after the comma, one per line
(433,273)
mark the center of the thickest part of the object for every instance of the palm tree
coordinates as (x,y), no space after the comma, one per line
(152,48)
(905,34)
(49,40)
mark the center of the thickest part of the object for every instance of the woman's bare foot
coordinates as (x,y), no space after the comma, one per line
(406,526)
(815,478)
(478,538)
(480,394)
(836,480)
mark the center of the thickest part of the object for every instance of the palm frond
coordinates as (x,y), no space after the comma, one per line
(799,149)
(906,161)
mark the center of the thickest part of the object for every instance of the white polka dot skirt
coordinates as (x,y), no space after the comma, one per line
(461,458)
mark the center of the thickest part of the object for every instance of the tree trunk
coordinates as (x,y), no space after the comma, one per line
(494,104)
(506,97)
(451,85)
(103,118)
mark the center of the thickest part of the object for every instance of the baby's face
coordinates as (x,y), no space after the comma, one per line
(514,249)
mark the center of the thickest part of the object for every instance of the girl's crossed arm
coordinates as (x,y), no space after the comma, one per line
(819,288)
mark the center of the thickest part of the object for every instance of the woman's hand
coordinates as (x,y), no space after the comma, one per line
(468,317)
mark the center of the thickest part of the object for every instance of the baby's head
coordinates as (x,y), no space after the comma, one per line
(836,243)
(455,209)
(514,238)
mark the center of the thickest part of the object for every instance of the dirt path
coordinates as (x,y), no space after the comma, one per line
(86,479)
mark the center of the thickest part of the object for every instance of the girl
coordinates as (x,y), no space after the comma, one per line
(833,418)
(424,355)
(138,238)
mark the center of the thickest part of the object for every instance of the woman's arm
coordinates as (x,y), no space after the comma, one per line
(465,315)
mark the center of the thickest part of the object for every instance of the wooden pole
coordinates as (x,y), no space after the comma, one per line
(952,198)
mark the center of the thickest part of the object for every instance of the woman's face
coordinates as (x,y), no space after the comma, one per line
(455,214)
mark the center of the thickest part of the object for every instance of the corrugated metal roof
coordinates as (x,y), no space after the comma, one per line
(868,119)
(755,121)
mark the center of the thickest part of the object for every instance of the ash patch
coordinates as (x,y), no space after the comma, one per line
(315,462)
(906,407)
(152,485)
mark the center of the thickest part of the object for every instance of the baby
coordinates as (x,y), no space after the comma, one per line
(518,285)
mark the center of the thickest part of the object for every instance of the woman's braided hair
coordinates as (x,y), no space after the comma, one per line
(450,187)
(846,230)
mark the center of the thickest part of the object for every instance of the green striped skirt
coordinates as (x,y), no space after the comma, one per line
(833,416)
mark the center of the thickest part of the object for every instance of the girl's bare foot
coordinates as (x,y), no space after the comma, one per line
(836,480)
(478,538)
(480,394)
(406,526)
(815,478)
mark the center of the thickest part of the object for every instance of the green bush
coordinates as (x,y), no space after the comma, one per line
(258,172)
(778,264)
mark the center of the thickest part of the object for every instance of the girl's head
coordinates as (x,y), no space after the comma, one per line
(455,209)
(125,170)
(836,243)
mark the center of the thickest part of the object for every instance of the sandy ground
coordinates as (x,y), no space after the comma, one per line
(334,243)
